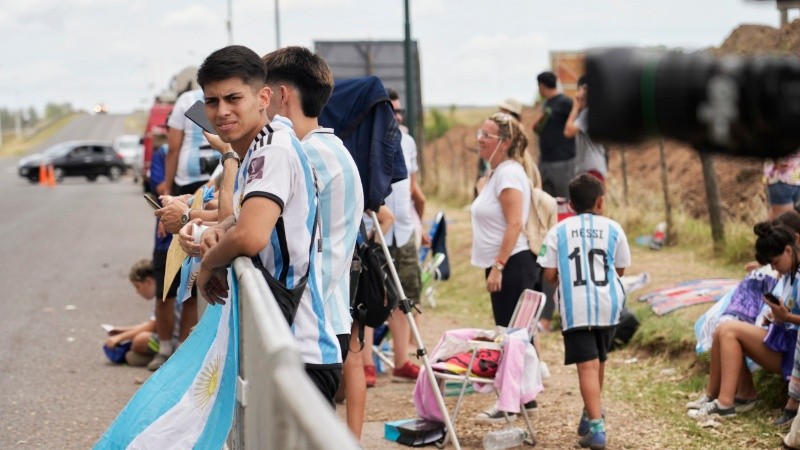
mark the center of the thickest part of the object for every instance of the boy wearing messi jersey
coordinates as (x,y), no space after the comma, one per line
(584,256)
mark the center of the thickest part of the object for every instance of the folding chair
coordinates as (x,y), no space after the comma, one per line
(526,316)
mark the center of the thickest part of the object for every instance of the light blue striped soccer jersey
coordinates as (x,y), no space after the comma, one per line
(341,207)
(586,249)
(276,167)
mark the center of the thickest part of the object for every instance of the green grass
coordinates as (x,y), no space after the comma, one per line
(20,146)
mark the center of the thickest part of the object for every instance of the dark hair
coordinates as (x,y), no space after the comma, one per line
(548,79)
(582,81)
(141,270)
(584,190)
(790,219)
(393,95)
(306,71)
(233,61)
(772,240)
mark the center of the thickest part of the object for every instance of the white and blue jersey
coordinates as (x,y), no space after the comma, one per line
(194,145)
(341,207)
(276,167)
(587,249)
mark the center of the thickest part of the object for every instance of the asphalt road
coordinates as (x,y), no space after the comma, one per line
(65,255)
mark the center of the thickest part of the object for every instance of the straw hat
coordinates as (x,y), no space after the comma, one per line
(512,105)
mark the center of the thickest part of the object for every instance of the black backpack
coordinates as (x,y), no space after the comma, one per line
(628,324)
(373,294)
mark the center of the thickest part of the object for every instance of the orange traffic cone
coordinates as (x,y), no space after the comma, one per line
(51,176)
(42,175)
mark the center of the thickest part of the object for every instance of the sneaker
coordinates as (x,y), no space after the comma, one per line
(785,418)
(584,426)
(157,362)
(712,408)
(697,404)
(595,440)
(531,406)
(369,376)
(407,373)
(743,405)
(493,415)
(134,359)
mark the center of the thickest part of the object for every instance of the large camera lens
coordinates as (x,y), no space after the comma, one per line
(738,106)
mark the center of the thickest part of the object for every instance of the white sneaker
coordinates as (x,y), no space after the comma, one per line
(697,404)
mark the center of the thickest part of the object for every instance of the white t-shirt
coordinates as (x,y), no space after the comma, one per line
(586,249)
(188,170)
(341,208)
(488,222)
(399,200)
(276,167)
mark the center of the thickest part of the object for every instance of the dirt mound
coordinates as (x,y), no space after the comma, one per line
(750,40)
(452,160)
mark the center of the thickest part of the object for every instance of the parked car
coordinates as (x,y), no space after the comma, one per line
(88,159)
(131,148)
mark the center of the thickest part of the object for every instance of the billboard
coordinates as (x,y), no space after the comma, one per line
(568,67)
(383,59)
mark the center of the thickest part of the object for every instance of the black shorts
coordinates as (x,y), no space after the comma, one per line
(327,380)
(159,267)
(344,344)
(587,344)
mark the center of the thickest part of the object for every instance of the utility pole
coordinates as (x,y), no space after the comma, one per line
(277,26)
(411,117)
(230,22)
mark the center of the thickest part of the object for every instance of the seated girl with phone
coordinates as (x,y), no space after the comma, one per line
(771,348)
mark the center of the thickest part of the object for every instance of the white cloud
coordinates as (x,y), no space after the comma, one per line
(194,16)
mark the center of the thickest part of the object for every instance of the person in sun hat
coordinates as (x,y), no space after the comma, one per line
(511,106)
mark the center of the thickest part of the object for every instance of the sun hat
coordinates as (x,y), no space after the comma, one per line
(512,105)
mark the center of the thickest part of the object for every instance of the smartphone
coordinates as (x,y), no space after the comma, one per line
(772,298)
(197,114)
(152,200)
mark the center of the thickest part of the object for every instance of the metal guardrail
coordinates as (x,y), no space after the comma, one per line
(277,404)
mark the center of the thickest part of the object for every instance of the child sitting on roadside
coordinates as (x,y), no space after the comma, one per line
(144,342)
(584,255)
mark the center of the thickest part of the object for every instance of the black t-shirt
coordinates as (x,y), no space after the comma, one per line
(552,143)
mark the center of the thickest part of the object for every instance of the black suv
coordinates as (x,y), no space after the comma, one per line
(88,159)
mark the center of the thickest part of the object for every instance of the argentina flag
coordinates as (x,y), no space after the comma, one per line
(188,402)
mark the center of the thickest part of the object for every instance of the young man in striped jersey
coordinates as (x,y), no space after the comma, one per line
(274,203)
(301,83)
(584,255)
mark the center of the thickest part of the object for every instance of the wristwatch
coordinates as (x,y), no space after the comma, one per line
(229,155)
(499,266)
(185,216)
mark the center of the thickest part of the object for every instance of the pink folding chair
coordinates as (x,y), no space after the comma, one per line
(526,316)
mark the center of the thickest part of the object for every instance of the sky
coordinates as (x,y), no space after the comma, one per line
(123,52)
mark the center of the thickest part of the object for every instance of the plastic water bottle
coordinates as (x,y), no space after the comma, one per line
(505,438)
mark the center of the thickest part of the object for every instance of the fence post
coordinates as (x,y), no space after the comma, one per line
(714,202)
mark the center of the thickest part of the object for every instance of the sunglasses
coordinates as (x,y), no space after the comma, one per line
(501,118)
(400,111)
(484,135)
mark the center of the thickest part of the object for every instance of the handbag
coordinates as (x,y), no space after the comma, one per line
(288,299)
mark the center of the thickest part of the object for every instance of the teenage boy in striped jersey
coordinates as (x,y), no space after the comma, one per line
(275,181)
(301,84)
(585,255)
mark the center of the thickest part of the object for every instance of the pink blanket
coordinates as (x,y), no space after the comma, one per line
(518,379)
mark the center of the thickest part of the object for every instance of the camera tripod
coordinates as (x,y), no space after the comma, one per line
(421,353)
